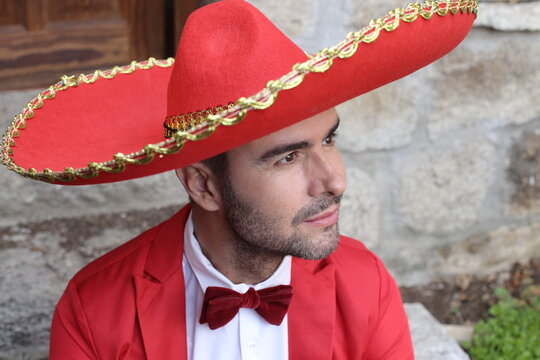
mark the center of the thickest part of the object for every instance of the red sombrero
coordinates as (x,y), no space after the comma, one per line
(236,78)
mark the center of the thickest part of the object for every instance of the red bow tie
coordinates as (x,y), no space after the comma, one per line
(220,305)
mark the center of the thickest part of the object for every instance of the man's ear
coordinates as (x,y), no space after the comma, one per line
(200,185)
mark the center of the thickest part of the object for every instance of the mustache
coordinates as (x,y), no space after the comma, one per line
(315,207)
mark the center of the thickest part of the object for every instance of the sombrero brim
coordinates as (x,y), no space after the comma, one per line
(82,137)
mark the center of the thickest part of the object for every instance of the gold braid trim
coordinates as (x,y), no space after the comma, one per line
(317,63)
(190,120)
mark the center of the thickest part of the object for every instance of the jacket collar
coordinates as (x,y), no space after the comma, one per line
(164,257)
(160,292)
(312,309)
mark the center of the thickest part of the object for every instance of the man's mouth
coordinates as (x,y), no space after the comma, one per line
(326,218)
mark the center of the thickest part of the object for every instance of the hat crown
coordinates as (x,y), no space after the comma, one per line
(227,50)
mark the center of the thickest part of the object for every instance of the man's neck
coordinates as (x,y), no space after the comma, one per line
(236,258)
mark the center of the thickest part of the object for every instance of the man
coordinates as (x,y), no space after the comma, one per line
(254,267)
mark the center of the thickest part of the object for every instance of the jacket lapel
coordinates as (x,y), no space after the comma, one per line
(160,293)
(311,315)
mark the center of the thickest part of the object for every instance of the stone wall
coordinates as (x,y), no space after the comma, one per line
(443,170)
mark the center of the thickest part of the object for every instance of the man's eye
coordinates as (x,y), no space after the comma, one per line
(288,159)
(330,140)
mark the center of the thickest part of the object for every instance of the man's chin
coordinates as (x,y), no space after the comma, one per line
(323,249)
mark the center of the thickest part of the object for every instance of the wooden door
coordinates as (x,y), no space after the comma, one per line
(41,40)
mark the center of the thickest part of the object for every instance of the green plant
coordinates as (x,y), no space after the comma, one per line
(513,330)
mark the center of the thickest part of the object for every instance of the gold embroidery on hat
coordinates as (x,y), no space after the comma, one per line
(319,62)
(189,121)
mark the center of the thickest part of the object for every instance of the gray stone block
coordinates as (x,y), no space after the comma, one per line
(26,200)
(490,81)
(429,338)
(382,119)
(364,11)
(488,253)
(510,16)
(523,172)
(443,188)
(296,18)
(359,213)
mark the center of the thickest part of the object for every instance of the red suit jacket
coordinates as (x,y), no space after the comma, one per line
(130,304)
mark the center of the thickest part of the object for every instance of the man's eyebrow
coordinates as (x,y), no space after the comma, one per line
(280,149)
(334,128)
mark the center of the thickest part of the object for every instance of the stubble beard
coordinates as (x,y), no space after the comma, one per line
(259,243)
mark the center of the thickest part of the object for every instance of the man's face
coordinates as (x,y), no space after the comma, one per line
(282,191)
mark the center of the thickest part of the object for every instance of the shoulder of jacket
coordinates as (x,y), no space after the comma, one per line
(352,255)
(124,254)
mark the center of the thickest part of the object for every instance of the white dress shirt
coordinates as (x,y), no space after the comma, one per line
(247,336)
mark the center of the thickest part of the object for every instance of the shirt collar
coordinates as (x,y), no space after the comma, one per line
(207,275)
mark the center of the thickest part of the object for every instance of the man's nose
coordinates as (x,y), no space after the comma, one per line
(328,175)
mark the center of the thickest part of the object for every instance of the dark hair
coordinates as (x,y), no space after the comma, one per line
(218,164)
